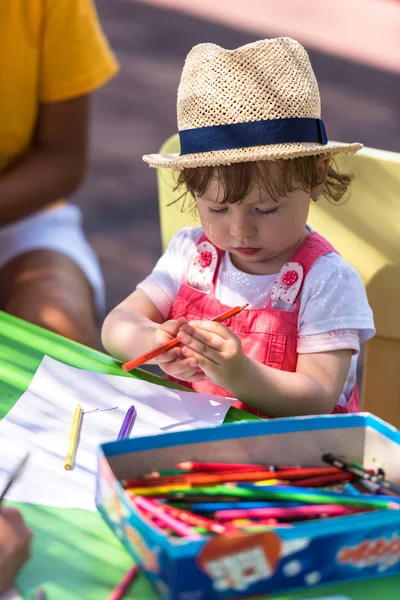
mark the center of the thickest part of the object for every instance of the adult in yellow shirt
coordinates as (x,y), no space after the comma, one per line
(53,55)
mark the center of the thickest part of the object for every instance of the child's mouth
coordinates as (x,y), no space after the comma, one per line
(247,251)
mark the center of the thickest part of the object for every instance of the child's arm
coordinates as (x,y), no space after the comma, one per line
(128,330)
(314,388)
(136,326)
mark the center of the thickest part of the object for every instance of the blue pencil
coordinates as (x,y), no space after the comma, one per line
(351,489)
(370,487)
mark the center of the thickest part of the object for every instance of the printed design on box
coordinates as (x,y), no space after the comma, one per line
(162,588)
(237,560)
(202,268)
(113,505)
(106,480)
(105,471)
(107,494)
(148,559)
(382,552)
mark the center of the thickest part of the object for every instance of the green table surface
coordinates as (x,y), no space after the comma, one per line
(75,555)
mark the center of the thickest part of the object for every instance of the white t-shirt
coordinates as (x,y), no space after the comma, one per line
(334,311)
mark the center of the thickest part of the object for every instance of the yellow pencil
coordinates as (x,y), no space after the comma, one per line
(271,482)
(148,492)
(73,438)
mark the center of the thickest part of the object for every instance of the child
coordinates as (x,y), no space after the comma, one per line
(53,55)
(253,153)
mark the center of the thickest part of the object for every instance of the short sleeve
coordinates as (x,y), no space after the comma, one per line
(163,284)
(76,58)
(334,302)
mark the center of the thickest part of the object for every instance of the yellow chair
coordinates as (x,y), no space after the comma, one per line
(366,232)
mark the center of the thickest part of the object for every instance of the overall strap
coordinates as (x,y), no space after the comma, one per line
(289,282)
(204,265)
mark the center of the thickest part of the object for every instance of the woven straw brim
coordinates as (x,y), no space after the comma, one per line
(254,153)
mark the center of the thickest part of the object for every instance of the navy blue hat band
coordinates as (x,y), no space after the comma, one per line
(254,133)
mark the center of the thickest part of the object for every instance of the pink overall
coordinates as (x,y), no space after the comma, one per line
(268,334)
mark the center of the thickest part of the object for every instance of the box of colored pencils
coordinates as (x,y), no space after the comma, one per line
(256,507)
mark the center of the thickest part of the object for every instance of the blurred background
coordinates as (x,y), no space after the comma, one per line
(354,46)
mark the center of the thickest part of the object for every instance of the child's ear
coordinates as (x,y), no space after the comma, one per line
(323,163)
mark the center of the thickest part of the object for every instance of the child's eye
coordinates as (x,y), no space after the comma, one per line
(217,211)
(267,212)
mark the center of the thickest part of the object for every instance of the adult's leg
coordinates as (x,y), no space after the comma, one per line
(47,288)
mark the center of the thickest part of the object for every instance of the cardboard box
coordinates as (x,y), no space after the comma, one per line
(222,567)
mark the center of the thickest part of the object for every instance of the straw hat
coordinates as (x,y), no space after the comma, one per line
(258,102)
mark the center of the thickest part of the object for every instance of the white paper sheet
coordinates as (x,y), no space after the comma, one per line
(40,422)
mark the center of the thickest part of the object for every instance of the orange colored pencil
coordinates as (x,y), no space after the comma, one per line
(140,360)
(196,479)
(209,478)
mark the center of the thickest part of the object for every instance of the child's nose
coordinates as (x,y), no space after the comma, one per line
(242,229)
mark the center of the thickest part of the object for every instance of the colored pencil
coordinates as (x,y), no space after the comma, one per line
(120,590)
(215,478)
(73,438)
(220,466)
(310,496)
(242,522)
(154,509)
(154,491)
(140,360)
(361,473)
(295,512)
(273,522)
(351,489)
(315,496)
(211,507)
(195,479)
(194,520)
(191,498)
(158,474)
(274,482)
(128,423)
(258,527)
(189,479)
(324,480)
(372,487)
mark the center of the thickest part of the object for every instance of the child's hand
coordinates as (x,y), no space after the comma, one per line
(15,541)
(216,349)
(173,363)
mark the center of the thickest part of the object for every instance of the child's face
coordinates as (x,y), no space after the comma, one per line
(261,232)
